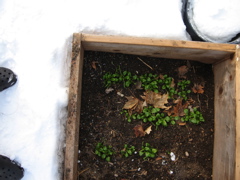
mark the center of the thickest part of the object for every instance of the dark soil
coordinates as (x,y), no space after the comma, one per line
(101,122)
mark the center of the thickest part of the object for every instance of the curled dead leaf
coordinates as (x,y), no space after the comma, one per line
(181,123)
(182,70)
(134,104)
(131,103)
(138,130)
(94,66)
(158,158)
(178,109)
(198,88)
(148,130)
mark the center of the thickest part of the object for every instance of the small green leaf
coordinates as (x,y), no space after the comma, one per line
(103,156)
(154,150)
(186,111)
(108,159)
(177,118)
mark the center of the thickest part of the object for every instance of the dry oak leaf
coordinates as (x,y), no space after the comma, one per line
(156,99)
(138,130)
(178,109)
(198,88)
(131,103)
(182,70)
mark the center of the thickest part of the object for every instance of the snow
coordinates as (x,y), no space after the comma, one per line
(35,42)
(220,20)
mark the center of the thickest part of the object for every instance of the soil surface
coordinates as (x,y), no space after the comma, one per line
(101,121)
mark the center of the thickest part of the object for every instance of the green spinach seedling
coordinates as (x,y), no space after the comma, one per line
(147,151)
(105,152)
(128,150)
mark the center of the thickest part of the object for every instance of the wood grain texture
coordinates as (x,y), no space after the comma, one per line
(225,132)
(73,122)
(237,166)
(174,49)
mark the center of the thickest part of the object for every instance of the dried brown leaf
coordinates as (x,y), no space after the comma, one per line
(138,85)
(156,99)
(181,123)
(158,158)
(178,109)
(131,103)
(148,130)
(160,100)
(94,66)
(198,88)
(161,76)
(182,70)
(138,130)
(172,83)
(139,107)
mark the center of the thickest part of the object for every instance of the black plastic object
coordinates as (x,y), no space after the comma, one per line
(7,78)
(10,170)
(196,35)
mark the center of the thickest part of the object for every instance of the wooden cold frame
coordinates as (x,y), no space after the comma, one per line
(226,65)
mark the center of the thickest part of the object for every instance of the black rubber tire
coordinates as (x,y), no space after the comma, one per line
(196,35)
(7,78)
(10,170)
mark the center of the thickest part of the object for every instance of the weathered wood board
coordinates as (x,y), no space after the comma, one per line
(74,106)
(226,64)
(198,51)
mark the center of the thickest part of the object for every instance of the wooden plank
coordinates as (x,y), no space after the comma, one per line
(173,49)
(224,156)
(72,126)
(237,166)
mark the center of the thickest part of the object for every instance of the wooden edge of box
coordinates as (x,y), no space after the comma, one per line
(226,156)
(237,166)
(74,106)
(174,49)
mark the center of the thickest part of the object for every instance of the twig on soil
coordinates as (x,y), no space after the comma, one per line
(199,102)
(207,101)
(145,63)
(194,70)
(82,171)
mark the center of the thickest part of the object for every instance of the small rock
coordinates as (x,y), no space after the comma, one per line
(164,162)
(120,94)
(173,157)
(186,154)
(108,90)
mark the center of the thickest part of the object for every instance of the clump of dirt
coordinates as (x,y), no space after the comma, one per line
(101,121)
